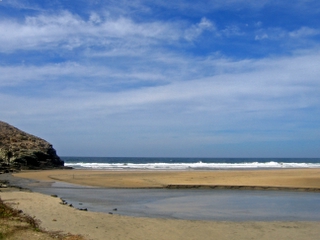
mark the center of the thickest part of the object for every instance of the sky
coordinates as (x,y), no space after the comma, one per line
(138,78)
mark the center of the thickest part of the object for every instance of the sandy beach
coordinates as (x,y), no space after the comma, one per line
(57,217)
(284,178)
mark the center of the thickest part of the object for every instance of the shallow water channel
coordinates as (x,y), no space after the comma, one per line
(198,204)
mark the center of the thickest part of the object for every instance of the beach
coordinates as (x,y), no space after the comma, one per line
(303,179)
(57,217)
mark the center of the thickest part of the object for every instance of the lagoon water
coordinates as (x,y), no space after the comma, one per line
(198,204)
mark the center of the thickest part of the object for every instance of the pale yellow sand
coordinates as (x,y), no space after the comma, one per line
(57,217)
(291,178)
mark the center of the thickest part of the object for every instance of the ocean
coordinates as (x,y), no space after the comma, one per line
(134,163)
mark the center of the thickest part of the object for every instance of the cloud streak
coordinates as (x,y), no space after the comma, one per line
(264,85)
(161,80)
(70,31)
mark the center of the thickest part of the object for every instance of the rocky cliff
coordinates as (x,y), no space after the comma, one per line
(20,150)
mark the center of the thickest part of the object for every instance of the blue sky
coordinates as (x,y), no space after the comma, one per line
(231,78)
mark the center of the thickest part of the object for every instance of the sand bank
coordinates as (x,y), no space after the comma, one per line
(58,217)
(300,179)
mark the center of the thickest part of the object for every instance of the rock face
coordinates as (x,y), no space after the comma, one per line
(20,150)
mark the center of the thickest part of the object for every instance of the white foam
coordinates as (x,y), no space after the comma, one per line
(184,166)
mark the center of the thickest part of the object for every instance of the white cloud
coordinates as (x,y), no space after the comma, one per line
(232,30)
(250,100)
(24,5)
(131,77)
(197,29)
(95,18)
(282,34)
(70,31)
(271,34)
(261,36)
(304,32)
(251,85)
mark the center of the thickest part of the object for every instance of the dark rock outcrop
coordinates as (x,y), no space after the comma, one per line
(20,150)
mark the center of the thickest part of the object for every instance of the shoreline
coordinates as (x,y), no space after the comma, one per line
(278,179)
(243,187)
(99,226)
(95,225)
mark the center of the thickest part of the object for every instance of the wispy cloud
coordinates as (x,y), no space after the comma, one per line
(197,29)
(70,31)
(252,85)
(304,32)
(136,74)
(281,34)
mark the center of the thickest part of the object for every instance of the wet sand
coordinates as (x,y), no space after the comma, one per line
(58,217)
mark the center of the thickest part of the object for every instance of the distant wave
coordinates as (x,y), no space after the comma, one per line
(185,166)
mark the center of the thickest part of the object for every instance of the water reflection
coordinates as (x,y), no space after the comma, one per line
(222,205)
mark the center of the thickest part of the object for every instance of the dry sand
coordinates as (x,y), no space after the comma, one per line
(58,217)
(286,178)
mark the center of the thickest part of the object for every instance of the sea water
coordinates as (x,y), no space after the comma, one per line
(119,163)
